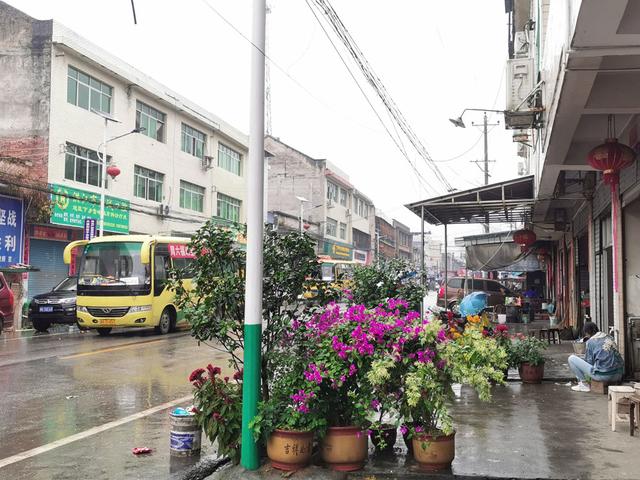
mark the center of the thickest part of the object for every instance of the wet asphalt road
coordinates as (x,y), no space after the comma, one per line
(55,386)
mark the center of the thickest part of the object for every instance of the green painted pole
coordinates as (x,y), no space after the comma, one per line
(249,455)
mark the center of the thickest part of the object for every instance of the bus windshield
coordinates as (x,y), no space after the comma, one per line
(113,268)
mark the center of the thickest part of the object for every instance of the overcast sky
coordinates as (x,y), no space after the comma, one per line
(435,58)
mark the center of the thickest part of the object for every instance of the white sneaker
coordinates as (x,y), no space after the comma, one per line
(581,387)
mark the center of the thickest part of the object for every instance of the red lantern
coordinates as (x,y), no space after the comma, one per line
(306,226)
(610,158)
(525,238)
(113,171)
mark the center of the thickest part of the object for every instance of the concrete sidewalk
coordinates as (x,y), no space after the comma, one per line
(526,431)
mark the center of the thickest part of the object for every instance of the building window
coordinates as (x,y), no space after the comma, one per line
(87,92)
(332,192)
(343,231)
(193,141)
(147,184)
(82,165)
(229,159)
(151,120)
(191,196)
(332,227)
(343,197)
(229,208)
(361,208)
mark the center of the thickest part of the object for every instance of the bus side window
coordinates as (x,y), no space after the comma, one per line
(160,263)
(184,265)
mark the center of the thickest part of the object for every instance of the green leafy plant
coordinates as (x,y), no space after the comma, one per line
(214,305)
(527,350)
(374,284)
(218,402)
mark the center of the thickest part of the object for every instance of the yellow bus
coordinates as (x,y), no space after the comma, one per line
(122,281)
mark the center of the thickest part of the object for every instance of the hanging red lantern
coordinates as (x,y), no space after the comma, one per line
(525,238)
(306,226)
(113,171)
(610,158)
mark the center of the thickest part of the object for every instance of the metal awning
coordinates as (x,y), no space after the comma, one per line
(502,202)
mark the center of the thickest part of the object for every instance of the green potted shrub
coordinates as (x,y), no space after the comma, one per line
(526,354)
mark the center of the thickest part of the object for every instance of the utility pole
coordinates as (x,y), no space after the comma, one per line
(249,455)
(485,134)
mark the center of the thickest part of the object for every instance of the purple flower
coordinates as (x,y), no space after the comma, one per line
(403,429)
(441,364)
(352,369)
(375,404)
(313,374)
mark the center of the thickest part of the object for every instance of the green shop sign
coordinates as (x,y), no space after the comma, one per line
(71,206)
(338,251)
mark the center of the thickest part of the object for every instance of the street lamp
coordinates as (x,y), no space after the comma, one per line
(103,173)
(302,200)
(458,122)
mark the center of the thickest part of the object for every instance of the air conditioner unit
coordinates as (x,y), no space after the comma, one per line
(207,162)
(163,210)
(522,45)
(520,82)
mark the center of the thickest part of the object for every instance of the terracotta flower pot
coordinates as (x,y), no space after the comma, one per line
(434,452)
(344,448)
(384,438)
(531,373)
(289,449)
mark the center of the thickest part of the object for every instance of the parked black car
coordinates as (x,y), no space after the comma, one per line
(56,306)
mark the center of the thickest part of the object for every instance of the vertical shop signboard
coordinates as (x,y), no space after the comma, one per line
(11,230)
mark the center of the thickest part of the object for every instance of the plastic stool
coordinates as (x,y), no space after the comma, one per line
(616,394)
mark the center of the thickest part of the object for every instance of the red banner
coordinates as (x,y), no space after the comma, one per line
(177,250)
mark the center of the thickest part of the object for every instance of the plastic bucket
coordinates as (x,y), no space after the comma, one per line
(553,320)
(185,436)
(502,318)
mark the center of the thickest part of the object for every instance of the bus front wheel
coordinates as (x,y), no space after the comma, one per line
(165,322)
(103,332)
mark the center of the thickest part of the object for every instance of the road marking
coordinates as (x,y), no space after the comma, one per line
(92,431)
(112,349)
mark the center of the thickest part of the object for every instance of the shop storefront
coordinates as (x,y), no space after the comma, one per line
(46,244)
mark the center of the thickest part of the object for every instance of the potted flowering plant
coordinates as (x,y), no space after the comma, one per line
(526,354)
(438,362)
(218,402)
(339,356)
(288,420)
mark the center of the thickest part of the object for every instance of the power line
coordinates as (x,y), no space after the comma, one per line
(400,147)
(376,83)
(281,69)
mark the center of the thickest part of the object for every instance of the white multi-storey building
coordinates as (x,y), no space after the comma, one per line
(179,163)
